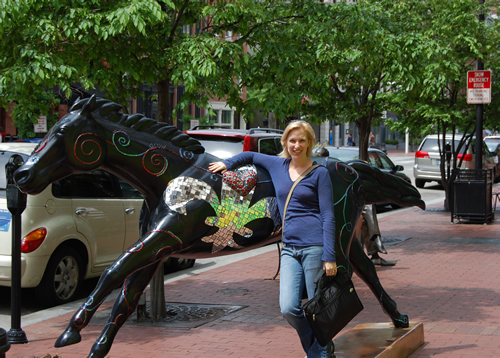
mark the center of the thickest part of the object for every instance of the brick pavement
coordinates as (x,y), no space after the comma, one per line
(452,287)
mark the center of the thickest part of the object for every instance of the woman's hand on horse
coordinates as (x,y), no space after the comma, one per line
(217,167)
(330,268)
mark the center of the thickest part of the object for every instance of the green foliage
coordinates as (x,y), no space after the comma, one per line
(392,141)
(349,59)
(114,46)
(436,103)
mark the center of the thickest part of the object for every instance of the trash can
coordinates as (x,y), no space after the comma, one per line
(472,195)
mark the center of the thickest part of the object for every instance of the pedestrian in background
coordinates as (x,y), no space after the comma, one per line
(309,229)
(372,139)
(350,142)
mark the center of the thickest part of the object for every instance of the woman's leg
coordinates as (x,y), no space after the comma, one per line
(299,266)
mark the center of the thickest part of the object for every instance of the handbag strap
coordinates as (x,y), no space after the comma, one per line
(307,171)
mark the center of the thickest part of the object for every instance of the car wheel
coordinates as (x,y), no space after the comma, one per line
(178,264)
(419,183)
(62,278)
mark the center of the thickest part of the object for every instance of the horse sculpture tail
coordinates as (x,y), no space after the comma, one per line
(383,187)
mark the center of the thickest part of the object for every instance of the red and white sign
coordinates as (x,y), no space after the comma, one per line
(41,126)
(478,87)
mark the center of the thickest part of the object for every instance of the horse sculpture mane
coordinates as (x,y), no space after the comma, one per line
(111,111)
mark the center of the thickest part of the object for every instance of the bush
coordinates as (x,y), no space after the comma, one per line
(392,141)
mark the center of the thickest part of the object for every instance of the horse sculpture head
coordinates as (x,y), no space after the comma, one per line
(95,133)
(73,145)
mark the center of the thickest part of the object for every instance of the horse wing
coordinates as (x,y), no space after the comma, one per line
(381,187)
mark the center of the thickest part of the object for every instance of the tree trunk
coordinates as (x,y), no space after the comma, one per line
(364,126)
(164,111)
(157,295)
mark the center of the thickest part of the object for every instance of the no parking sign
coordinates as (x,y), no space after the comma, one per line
(478,87)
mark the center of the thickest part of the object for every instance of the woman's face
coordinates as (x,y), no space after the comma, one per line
(297,143)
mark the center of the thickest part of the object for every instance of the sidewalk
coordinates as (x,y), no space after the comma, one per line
(447,277)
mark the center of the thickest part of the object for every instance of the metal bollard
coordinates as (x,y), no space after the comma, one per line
(4,343)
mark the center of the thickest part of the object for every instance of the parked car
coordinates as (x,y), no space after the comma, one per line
(71,231)
(427,159)
(493,143)
(377,159)
(225,142)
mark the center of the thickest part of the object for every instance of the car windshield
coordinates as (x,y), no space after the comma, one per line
(221,147)
(343,154)
(492,144)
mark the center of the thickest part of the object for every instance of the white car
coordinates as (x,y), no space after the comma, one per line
(427,159)
(71,231)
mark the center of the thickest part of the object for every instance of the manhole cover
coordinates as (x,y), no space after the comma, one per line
(473,240)
(393,240)
(230,291)
(179,315)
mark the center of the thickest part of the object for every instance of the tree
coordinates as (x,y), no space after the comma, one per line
(115,46)
(437,103)
(341,56)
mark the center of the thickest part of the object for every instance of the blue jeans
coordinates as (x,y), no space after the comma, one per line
(299,266)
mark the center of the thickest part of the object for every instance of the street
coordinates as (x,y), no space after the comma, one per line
(432,191)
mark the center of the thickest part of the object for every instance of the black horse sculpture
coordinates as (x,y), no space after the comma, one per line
(188,210)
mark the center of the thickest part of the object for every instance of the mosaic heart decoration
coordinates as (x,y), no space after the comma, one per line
(242,183)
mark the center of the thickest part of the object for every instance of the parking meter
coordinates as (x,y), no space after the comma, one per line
(16,203)
(4,343)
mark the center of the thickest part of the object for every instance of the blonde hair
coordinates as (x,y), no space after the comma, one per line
(306,127)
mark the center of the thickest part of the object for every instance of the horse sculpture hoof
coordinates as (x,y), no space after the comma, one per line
(68,337)
(402,321)
(95,355)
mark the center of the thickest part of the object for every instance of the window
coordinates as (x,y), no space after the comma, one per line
(386,162)
(375,160)
(95,184)
(223,115)
(270,146)
(215,117)
(128,191)
(226,117)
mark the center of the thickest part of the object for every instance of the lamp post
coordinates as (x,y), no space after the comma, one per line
(479,114)
(16,203)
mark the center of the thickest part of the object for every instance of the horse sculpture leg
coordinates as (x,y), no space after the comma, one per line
(123,308)
(145,252)
(365,269)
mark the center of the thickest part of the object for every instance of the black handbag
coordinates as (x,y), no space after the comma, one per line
(336,303)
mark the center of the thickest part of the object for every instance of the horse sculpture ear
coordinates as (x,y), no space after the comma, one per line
(89,106)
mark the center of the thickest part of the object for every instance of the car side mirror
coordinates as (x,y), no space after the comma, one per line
(399,168)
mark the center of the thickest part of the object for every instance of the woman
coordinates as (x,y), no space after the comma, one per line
(309,232)
(350,142)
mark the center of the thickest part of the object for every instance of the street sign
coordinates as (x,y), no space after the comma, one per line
(41,126)
(478,87)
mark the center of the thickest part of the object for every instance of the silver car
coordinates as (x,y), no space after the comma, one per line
(428,160)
